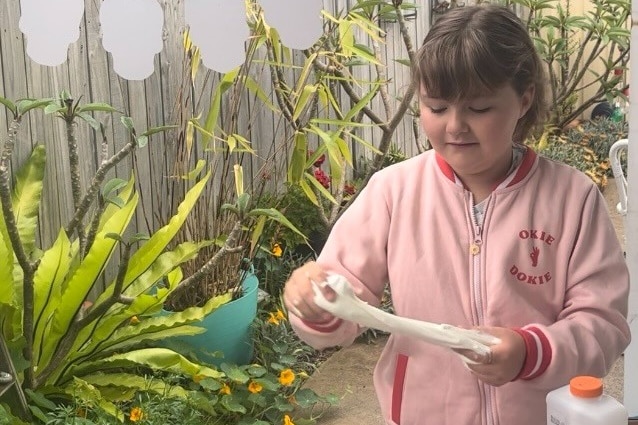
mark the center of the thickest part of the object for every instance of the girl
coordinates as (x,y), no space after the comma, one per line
(477,232)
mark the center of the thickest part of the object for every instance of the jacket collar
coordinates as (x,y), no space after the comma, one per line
(529,157)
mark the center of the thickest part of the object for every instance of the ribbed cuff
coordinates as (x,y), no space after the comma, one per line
(538,353)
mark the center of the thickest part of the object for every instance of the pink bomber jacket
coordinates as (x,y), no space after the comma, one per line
(546,262)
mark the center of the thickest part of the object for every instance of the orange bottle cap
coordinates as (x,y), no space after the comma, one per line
(586,386)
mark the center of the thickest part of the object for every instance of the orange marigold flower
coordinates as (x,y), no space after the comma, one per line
(280,315)
(286,377)
(136,414)
(255,387)
(225,389)
(276,250)
(134,320)
(288,421)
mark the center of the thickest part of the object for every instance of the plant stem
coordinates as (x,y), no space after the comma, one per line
(230,246)
(28,295)
(94,188)
(74,165)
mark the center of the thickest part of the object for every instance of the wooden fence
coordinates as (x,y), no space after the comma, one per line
(166,97)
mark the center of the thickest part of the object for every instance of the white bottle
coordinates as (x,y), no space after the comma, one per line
(582,402)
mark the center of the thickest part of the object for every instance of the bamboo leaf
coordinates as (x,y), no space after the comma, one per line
(310,194)
(298,159)
(324,192)
(306,96)
(216,101)
(192,175)
(277,216)
(159,129)
(257,232)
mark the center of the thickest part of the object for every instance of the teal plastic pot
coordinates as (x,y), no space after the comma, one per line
(228,337)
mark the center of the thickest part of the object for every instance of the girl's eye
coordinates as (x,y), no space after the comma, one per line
(480,110)
(437,110)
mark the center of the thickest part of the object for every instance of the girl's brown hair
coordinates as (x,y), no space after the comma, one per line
(472,51)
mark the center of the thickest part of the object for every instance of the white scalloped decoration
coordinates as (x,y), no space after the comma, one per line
(297,21)
(132,33)
(49,27)
(219,29)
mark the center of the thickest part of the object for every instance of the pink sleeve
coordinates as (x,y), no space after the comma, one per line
(358,253)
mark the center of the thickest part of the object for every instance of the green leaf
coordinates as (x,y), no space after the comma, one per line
(277,216)
(232,404)
(53,108)
(302,102)
(48,279)
(88,118)
(25,105)
(298,160)
(213,114)
(141,141)
(98,106)
(192,175)
(9,105)
(113,185)
(160,359)
(155,130)
(234,373)
(318,186)
(7,295)
(84,278)
(128,123)
(305,397)
(26,196)
(148,253)
(310,194)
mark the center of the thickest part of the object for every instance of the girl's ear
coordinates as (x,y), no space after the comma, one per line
(526,100)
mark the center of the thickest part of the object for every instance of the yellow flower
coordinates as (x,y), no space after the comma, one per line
(198,378)
(273,319)
(134,320)
(286,377)
(255,387)
(225,389)
(288,421)
(276,250)
(276,317)
(136,414)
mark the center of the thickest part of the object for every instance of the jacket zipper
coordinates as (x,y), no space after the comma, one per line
(475,252)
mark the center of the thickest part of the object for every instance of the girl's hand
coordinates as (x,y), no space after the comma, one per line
(298,293)
(506,361)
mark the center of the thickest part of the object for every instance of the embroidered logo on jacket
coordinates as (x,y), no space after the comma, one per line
(525,272)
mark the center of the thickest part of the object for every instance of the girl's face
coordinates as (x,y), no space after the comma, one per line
(474,136)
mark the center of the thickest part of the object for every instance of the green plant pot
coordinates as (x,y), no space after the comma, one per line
(228,337)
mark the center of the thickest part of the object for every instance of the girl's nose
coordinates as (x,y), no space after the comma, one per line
(456,123)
